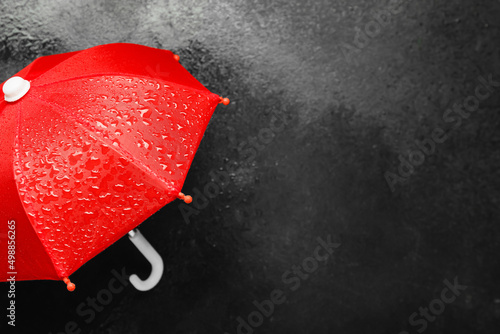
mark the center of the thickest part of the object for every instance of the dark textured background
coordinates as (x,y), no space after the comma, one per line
(348,119)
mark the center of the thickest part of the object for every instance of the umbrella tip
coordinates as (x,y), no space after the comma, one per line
(70,286)
(176,57)
(224,100)
(186,198)
(15,88)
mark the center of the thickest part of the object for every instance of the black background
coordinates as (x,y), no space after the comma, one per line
(348,118)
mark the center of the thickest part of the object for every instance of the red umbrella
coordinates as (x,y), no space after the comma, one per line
(92,143)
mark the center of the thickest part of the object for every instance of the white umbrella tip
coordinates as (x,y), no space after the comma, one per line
(15,88)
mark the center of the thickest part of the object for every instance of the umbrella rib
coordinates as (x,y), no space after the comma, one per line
(66,113)
(117,74)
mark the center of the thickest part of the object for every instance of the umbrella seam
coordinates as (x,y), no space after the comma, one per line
(117,74)
(120,151)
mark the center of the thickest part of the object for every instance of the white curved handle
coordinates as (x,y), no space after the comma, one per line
(153,257)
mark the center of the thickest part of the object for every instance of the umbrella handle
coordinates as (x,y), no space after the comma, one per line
(152,256)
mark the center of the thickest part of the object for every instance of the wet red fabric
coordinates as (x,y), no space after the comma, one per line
(103,139)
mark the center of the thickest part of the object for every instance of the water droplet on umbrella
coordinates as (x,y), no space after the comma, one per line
(74,157)
(92,163)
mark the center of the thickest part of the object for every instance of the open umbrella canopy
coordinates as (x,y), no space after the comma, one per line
(92,143)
